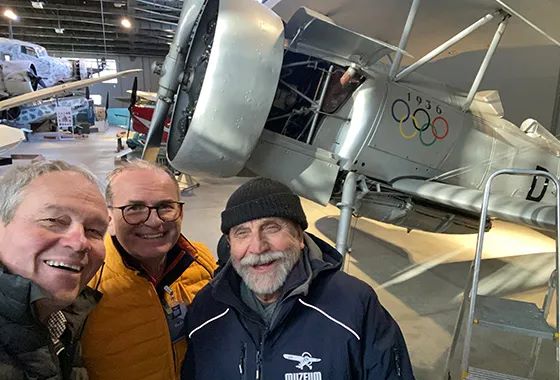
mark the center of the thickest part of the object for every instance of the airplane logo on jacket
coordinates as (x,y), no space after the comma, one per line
(305,360)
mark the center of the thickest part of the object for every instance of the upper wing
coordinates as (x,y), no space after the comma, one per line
(516,210)
(51,91)
(296,358)
(385,19)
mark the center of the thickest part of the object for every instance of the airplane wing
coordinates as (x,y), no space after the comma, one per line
(516,210)
(296,358)
(450,16)
(51,91)
(10,137)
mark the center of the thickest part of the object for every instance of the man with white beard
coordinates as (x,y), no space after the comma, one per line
(281,309)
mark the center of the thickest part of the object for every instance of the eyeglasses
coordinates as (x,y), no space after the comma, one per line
(138,213)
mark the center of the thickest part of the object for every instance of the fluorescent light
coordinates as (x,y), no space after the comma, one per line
(126,23)
(59,30)
(10,14)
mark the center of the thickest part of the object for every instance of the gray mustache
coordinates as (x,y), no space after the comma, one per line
(262,259)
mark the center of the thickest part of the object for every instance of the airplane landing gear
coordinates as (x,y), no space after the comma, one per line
(346,207)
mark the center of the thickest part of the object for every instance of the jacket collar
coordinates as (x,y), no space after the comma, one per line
(19,293)
(179,258)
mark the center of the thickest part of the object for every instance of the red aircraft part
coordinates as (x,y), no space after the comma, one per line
(141,117)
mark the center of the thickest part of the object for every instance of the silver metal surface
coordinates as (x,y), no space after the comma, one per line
(237,91)
(483,374)
(404,37)
(346,207)
(487,58)
(501,206)
(319,104)
(478,258)
(512,316)
(315,34)
(311,172)
(169,80)
(362,118)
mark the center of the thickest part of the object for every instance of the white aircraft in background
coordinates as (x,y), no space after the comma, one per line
(24,66)
(8,136)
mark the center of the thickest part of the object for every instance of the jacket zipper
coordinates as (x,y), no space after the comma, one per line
(243,361)
(258,373)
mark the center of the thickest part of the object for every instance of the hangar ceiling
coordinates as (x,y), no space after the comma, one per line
(153,25)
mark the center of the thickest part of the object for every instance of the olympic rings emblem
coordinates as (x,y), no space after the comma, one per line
(438,126)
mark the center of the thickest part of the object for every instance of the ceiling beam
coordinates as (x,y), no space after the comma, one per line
(28,30)
(161,6)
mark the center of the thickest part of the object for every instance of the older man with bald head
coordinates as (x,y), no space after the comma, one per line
(151,275)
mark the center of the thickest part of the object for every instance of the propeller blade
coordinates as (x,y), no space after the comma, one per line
(106,108)
(155,132)
(133,94)
(133,99)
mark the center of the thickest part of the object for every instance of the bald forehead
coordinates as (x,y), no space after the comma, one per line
(147,179)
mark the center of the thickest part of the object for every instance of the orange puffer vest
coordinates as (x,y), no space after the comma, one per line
(127,335)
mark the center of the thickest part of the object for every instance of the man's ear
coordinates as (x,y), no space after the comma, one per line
(111,228)
(301,240)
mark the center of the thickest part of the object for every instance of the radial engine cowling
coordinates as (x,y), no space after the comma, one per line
(227,88)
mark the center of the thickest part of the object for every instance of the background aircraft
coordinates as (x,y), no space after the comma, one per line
(331,113)
(24,66)
(31,107)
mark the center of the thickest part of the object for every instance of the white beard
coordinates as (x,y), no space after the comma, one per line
(271,282)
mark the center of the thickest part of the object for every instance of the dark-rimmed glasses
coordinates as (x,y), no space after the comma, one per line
(136,214)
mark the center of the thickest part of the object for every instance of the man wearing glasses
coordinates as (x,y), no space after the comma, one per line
(150,276)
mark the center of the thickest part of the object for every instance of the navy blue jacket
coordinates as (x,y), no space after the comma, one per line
(328,325)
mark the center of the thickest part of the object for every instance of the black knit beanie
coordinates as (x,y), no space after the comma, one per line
(262,198)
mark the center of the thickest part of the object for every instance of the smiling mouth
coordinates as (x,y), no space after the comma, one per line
(151,236)
(64,266)
(264,265)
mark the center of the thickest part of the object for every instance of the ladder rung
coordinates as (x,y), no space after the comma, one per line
(484,374)
(518,317)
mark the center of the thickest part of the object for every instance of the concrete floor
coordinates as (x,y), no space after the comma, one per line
(418,276)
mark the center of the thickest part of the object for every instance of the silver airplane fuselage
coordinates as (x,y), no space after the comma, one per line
(307,102)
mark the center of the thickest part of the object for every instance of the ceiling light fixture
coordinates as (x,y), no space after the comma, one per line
(11,15)
(126,23)
(38,4)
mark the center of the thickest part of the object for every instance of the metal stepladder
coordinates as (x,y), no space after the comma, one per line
(502,314)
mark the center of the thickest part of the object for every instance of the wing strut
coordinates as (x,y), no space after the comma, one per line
(486,62)
(404,37)
(441,48)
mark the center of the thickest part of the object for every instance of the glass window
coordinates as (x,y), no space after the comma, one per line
(28,50)
(94,65)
